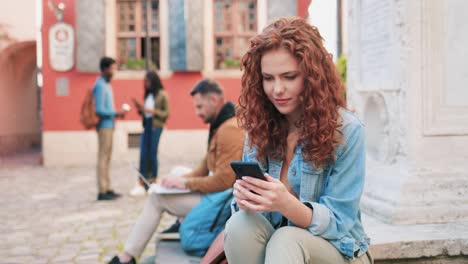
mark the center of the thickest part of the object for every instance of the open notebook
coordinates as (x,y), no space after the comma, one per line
(158,188)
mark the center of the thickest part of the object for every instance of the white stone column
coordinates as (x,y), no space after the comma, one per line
(164,38)
(407,79)
(90,34)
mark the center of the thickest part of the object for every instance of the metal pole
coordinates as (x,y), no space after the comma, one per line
(147,37)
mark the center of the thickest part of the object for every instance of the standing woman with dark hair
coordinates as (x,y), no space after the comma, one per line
(312,152)
(154,112)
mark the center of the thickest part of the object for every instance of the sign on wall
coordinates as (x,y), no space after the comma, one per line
(62,86)
(61,47)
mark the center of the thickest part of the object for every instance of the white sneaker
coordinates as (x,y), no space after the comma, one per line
(138,190)
(150,190)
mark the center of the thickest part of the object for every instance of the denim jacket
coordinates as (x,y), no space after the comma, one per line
(333,192)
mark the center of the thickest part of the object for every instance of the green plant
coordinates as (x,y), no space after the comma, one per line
(231,63)
(341,67)
(136,64)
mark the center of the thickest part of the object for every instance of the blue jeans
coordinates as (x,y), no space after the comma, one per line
(149,150)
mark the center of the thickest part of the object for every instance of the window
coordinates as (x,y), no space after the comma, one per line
(235,23)
(133,19)
(134,140)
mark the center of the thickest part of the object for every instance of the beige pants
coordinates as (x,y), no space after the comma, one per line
(175,204)
(250,238)
(105,136)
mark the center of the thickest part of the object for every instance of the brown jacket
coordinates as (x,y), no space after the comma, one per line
(225,146)
(161,106)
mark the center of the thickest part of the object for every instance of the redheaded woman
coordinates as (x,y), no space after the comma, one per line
(312,151)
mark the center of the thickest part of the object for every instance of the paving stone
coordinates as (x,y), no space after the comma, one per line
(91,251)
(38,260)
(16,260)
(64,258)
(79,238)
(20,251)
(5,252)
(60,262)
(90,257)
(69,249)
(48,252)
(89,244)
(109,244)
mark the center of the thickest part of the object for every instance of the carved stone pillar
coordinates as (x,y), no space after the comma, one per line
(407,79)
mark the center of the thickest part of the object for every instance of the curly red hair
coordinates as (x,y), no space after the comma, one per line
(322,95)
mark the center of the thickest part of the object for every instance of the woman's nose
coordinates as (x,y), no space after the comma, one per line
(278,87)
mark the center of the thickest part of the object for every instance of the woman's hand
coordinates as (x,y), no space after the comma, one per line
(150,111)
(258,195)
(238,196)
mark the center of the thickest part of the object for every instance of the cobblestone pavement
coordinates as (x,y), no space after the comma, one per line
(50,215)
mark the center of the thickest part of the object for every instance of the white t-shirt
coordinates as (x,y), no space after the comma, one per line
(149,103)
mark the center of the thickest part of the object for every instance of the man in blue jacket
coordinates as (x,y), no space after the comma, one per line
(105,110)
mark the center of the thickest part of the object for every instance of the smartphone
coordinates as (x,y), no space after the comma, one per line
(252,169)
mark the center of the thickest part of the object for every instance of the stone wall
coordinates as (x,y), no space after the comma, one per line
(404,79)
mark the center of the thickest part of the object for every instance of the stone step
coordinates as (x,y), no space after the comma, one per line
(390,244)
(171,252)
(418,244)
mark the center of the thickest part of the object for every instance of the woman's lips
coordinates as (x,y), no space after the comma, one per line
(281,101)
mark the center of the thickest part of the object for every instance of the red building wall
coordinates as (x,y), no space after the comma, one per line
(302,7)
(62,113)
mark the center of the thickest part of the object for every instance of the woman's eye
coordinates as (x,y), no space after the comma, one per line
(292,77)
(267,78)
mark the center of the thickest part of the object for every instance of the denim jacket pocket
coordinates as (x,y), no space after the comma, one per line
(311,183)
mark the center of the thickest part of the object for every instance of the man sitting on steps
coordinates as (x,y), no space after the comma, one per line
(213,174)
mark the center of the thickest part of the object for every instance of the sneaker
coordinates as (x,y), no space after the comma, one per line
(171,233)
(105,197)
(150,190)
(138,190)
(116,260)
(113,194)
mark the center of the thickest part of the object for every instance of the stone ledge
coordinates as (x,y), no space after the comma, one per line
(420,249)
(390,244)
(171,252)
(435,260)
(428,243)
